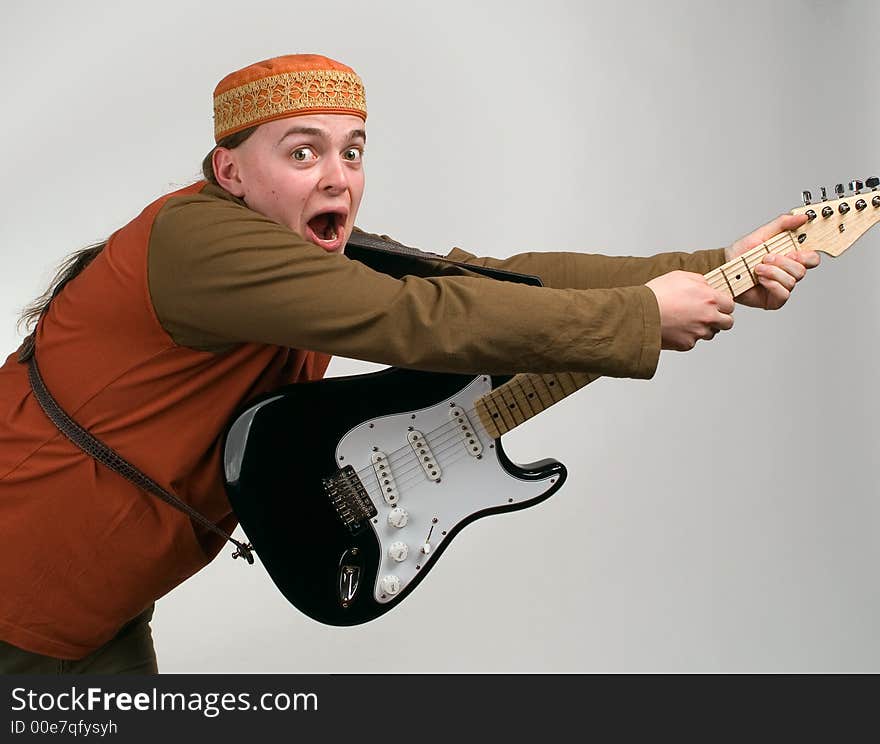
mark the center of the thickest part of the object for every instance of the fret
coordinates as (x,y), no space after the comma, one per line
(493,420)
(526,398)
(482,409)
(501,406)
(741,282)
(581,379)
(727,279)
(511,406)
(714,280)
(553,388)
(731,274)
(533,396)
(794,243)
(540,386)
(749,271)
(567,384)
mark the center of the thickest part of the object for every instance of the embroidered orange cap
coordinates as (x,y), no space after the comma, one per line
(290,85)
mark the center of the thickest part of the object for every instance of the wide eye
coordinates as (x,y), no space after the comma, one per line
(303,154)
(353,154)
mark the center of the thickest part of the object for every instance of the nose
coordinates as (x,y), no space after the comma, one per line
(334,176)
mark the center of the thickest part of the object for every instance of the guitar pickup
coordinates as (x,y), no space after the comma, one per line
(424,455)
(471,441)
(385,477)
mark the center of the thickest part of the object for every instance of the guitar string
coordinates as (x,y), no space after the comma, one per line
(451,430)
(431,437)
(406,454)
(411,465)
(449,457)
(777,244)
(402,477)
(409,461)
(447,461)
(780,245)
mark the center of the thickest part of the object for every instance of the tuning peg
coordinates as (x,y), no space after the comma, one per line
(824,193)
(806,196)
(855,186)
(872,183)
(838,189)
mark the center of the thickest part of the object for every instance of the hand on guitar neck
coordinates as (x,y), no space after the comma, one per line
(692,308)
(777,274)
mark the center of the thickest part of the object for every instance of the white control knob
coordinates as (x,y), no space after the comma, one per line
(390,584)
(398,551)
(426,548)
(397,517)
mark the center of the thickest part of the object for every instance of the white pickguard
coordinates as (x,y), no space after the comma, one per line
(467,484)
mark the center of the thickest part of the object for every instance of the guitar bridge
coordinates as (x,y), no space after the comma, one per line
(349,498)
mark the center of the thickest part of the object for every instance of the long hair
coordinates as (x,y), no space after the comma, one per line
(71,266)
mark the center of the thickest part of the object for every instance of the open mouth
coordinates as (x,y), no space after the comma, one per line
(327,230)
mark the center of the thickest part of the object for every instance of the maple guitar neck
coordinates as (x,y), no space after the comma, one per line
(832,227)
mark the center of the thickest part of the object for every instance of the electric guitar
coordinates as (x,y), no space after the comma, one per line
(351,488)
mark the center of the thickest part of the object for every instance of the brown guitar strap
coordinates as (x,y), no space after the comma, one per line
(384,254)
(111,459)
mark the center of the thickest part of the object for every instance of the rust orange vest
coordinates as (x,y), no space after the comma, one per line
(85,551)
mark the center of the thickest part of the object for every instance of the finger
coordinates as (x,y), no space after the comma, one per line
(724,302)
(787,264)
(786,222)
(777,294)
(780,224)
(809,259)
(724,322)
(768,274)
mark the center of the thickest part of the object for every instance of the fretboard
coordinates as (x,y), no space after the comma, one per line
(738,275)
(526,395)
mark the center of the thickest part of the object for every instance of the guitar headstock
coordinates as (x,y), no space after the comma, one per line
(835,224)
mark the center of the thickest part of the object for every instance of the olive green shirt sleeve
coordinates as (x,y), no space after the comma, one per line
(591,271)
(220,273)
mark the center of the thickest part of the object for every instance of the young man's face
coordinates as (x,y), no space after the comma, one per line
(305,172)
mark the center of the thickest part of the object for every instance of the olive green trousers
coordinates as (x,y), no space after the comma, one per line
(130,651)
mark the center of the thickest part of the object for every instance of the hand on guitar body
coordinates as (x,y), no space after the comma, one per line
(691,309)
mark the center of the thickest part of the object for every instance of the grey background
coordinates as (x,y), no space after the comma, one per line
(722,517)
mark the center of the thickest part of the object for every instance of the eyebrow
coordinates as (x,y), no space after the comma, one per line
(315,132)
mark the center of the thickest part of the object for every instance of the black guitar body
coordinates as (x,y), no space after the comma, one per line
(280,451)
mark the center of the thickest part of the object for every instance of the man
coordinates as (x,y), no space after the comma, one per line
(235,286)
